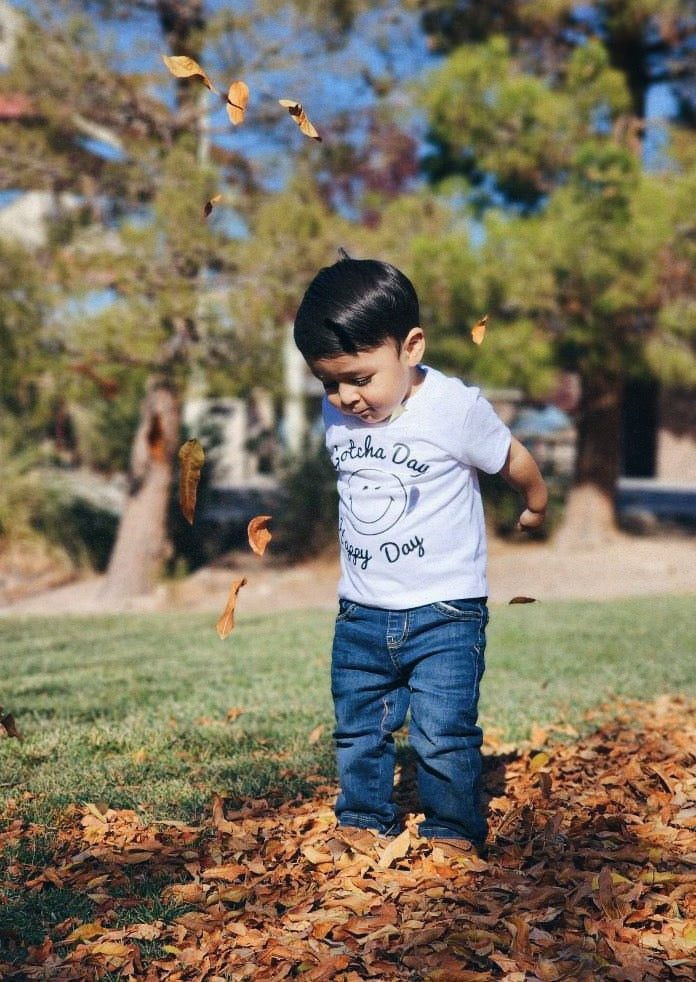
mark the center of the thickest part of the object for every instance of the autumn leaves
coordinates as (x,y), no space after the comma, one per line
(191,460)
(237,97)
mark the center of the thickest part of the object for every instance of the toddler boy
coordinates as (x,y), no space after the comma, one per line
(407,442)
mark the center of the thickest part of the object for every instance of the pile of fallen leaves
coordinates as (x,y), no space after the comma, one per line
(590,875)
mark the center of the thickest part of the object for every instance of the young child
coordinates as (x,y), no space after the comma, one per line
(406,442)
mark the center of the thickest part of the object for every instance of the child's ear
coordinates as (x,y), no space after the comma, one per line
(414,346)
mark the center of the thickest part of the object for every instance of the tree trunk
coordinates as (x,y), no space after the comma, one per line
(588,518)
(142,543)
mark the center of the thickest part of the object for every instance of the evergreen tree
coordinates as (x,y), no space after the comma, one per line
(546,128)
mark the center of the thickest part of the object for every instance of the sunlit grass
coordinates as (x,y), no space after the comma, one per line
(154,712)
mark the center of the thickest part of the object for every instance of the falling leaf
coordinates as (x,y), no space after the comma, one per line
(226,622)
(297,112)
(236,102)
(8,724)
(478,331)
(184,67)
(208,206)
(192,456)
(258,534)
(316,733)
(522,600)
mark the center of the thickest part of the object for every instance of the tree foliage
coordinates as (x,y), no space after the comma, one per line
(586,249)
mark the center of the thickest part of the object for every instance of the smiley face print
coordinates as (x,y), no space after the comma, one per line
(376,500)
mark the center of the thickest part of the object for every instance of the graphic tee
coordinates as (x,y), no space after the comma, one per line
(410,522)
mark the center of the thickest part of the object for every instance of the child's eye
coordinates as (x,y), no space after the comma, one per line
(363,381)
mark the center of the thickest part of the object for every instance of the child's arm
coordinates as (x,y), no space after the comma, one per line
(521,473)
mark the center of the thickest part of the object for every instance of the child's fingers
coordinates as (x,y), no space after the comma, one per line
(531,519)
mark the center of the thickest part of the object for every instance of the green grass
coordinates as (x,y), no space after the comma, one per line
(133,710)
(155,713)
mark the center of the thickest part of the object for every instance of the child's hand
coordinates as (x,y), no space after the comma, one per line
(531,519)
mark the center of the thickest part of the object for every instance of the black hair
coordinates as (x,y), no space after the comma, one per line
(355,305)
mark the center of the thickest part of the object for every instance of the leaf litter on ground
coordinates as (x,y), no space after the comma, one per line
(591,874)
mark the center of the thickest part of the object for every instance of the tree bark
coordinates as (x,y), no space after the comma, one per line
(588,517)
(142,544)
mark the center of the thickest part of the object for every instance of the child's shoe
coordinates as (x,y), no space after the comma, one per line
(459,849)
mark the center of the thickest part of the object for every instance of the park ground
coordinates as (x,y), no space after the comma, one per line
(589,877)
(623,566)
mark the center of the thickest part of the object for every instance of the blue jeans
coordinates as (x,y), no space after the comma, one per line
(430,658)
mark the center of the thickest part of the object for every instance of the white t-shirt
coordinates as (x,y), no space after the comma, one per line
(411,524)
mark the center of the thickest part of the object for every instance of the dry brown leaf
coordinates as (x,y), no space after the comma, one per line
(237,101)
(600,867)
(192,458)
(225,623)
(316,734)
(522,600)
(10,727)
(209,205)
(397,849)
(181,66)
(297,112)
(478,331)
(258,534)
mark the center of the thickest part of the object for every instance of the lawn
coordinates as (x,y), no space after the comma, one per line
(154,712)
(167,814)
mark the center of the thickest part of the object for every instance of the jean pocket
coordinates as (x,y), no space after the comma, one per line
(346,609)
(463,610)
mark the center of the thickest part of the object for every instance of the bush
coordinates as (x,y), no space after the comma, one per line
(309,525)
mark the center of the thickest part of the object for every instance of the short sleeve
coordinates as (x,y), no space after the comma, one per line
(485,439)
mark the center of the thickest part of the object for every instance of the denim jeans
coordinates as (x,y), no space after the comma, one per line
(430,659)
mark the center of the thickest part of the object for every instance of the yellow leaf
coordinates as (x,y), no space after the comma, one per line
(258,534)
(298,114)
(538,761)
(191,456)
(316,733)
(85,932)
(181,66)
(478,331)
(225,623)
(237,100)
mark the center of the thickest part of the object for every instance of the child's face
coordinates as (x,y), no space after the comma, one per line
(372,384)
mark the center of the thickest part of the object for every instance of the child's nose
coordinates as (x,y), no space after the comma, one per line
(348,394)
